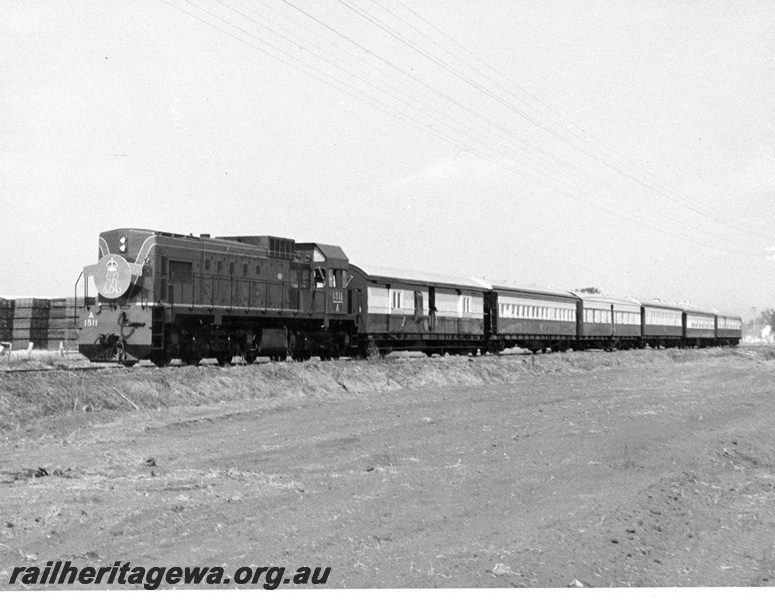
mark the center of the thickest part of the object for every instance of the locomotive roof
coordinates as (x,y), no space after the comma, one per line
(393,274)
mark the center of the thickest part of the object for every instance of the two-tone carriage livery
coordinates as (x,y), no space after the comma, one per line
(529,318)
(699,328)
(663,324)
(162,296)
(409,310)
(607,323)
(729,329)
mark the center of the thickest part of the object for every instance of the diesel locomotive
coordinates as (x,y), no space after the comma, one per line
(163,296)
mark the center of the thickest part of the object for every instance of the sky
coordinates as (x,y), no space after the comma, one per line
(627,146)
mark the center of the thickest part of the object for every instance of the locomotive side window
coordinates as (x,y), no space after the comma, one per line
(305,279)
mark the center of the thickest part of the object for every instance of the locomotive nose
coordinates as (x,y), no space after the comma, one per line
(113,275)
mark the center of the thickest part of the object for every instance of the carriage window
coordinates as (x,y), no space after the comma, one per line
(245,270)
(207,264)
(220,266)
(397,300)
(231,268)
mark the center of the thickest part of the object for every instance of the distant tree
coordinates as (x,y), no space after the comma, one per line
(769,318)
(588,290)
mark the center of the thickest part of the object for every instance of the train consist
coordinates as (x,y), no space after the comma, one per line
(162,296)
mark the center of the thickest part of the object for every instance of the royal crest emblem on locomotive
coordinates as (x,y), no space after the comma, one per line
(112,275)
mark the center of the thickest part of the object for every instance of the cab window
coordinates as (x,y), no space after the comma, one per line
(320,277)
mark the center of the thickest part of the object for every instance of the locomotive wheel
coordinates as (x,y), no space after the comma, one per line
(192,361)
(249,357)
(224,360)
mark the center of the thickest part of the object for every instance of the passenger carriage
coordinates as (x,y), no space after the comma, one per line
(529,318)
(699,328)
(607,323)
(662,324)
(729,330)
(409,310)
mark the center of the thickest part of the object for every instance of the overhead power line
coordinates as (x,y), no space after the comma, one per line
(451,136)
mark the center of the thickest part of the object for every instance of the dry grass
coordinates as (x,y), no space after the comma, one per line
(25,397)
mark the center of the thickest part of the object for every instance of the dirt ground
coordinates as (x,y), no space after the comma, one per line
(610,470)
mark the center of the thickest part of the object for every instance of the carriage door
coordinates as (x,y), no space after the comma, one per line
(613,320)
(490,314)
(419,317)
(432,309)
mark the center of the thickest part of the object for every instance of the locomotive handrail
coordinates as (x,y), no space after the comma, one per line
(75,300)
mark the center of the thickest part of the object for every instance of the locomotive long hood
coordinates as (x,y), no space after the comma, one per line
(113,275)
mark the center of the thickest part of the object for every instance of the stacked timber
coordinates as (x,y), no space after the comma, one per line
(30,322)
(6,320)
(62,327)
